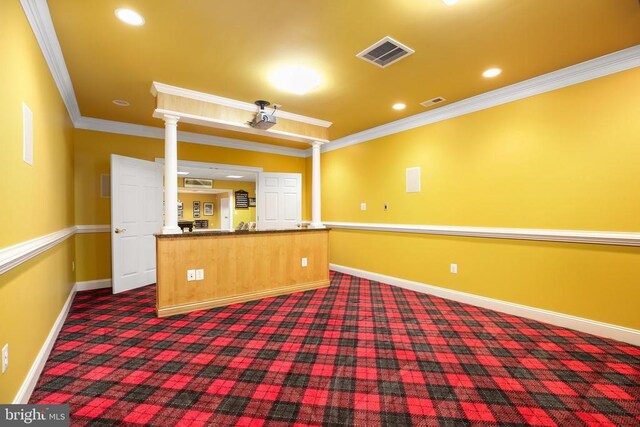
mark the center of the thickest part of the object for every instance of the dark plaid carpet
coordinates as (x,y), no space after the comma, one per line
(359,353)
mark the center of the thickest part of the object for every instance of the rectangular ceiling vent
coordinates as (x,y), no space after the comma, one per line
(433,101)
(385,52)
(198,183)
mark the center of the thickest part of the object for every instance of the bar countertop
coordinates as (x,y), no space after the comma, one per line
(236,232)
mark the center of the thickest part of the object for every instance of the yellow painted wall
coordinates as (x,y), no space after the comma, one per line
(93,256)
(240,215)
(36,200)
(92,151)
(567,159)
(187,200)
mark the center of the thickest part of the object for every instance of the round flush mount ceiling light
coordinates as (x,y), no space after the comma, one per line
(130,17)
(399,106)
(296,79)
(121,102)
(491,72)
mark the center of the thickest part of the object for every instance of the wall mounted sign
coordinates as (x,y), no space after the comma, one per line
(208,208)
(242,199)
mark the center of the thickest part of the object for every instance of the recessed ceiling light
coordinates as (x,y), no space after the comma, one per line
(295,79)
(234,176)
(183,173)
(450,2)
(491,72)
(121,102)
(130,17)
(399,106)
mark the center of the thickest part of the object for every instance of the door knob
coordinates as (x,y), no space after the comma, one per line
(120,230)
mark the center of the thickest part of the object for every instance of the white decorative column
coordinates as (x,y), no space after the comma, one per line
(316,222)
(171,175)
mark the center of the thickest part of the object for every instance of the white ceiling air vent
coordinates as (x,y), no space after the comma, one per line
(433,101)
(198,183)
(385,52)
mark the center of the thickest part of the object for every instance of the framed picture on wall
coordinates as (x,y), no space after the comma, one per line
(252,202)
(180,216)
(208,208)
(196,214)
(196,205)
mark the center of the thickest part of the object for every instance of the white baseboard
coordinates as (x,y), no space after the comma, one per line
(30,381)
(620,333)
(93,284)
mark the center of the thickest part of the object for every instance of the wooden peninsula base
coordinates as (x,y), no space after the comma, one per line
(238,267)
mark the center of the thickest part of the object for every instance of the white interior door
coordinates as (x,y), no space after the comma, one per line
(136,215)
(279,200)
(225,214)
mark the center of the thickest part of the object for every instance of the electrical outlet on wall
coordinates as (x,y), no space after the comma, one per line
(454,268)
(191,275)
(363,206)
(304,262)
(5,357)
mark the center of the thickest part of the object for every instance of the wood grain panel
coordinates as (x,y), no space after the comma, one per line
(238,268)
(235,115)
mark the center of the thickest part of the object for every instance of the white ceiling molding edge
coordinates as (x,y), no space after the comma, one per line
(157,87)
(131,129)
(39,18)
(37,12)
(599,67)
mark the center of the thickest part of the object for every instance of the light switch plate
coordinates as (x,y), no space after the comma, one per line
(363,206)
(200,274)
(304,262)
(191,275)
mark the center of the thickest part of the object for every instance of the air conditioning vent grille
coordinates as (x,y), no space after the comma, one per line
(198,183)
(385,52)
(436,100)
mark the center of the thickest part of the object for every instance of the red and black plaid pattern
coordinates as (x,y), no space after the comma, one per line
(359,353)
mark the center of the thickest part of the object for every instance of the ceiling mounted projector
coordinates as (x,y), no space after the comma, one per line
(263,120)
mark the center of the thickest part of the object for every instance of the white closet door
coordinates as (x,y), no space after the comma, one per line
(279,200)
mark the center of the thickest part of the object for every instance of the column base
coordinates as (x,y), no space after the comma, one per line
(171,230)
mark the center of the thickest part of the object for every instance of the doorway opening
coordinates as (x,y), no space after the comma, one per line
(207,197)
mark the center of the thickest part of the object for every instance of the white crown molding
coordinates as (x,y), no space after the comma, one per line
(620,333)
(37,13)
(235,126)
(568,236)
(131,129)
(608,64)
(39,18)
(13,256)
(29,383)
(101,228)
(157,87)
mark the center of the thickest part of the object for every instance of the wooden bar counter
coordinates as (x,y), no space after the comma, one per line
(238,266)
